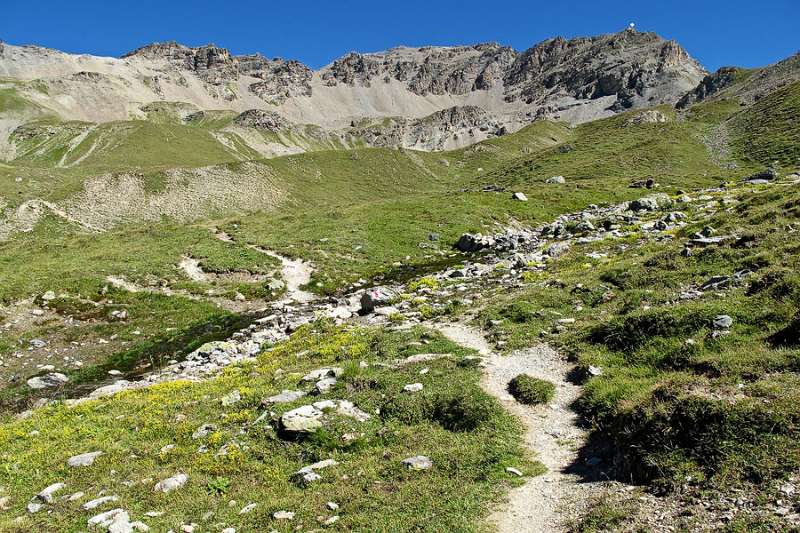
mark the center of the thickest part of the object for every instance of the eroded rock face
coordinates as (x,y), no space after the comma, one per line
(438,131)
(262,120)
(635,67)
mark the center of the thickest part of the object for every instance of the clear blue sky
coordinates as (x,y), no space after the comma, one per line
(716,32)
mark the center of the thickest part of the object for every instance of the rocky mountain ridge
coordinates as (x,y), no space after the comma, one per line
(574,80)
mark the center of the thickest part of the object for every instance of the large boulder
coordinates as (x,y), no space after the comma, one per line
(470,243)
(53,379)
(305,419)
(376,297)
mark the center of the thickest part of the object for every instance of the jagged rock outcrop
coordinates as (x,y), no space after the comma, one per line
(710,85)
(745,85)
(636,68)
(262,120)
(445,129)
(428,70)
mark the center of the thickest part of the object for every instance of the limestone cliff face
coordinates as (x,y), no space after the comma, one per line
(432,97)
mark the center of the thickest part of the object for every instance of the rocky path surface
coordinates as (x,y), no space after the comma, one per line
(552,433)
(296,273)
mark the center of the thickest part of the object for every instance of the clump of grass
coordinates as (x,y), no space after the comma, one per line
(530,390)
(602,515)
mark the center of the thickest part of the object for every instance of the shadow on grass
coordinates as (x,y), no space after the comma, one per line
(145,357)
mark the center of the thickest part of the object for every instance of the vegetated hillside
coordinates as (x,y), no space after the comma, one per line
(690,358)
(142,240)
(241,472)
(769,130)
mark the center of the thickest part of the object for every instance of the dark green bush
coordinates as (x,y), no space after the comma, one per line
(530,390)
(463,411)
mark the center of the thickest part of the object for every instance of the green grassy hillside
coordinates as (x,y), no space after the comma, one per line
(769,131)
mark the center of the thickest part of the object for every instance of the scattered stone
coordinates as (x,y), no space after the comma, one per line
(324,385)
(203,431)
(104,520)
(304,419)
(333,506)
(283,515)
(723,322)
(84,459)
(716,282)
(556,180)
(248,508)
(97,502)
(286,396)
(519,196)
(171,483)
(418,462)
(557,249)
(470,243)
(648,203)
(413,387)
(763,177)
(512,470)
(595,371)
(308,474)
(322,373)
(46,496)
(231,398)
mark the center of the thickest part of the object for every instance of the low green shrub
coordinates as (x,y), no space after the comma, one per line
(530,390)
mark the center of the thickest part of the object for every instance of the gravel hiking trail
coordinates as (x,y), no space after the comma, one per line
(552,432)
(296,273)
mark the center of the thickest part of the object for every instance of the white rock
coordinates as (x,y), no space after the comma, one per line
(105,519)
(53,379)
(97,502)
(231,398)
(84,459)
(512,470)
(286,396)
(247,508)
(171,483)
(413,387)
(47,495)
(418,462)
(283,515)
(304,419)
(320,373)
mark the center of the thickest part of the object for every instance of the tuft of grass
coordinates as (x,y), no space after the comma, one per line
(530,390)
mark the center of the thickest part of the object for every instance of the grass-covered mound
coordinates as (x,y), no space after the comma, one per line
(241,457)
(684,402)
(530,390)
